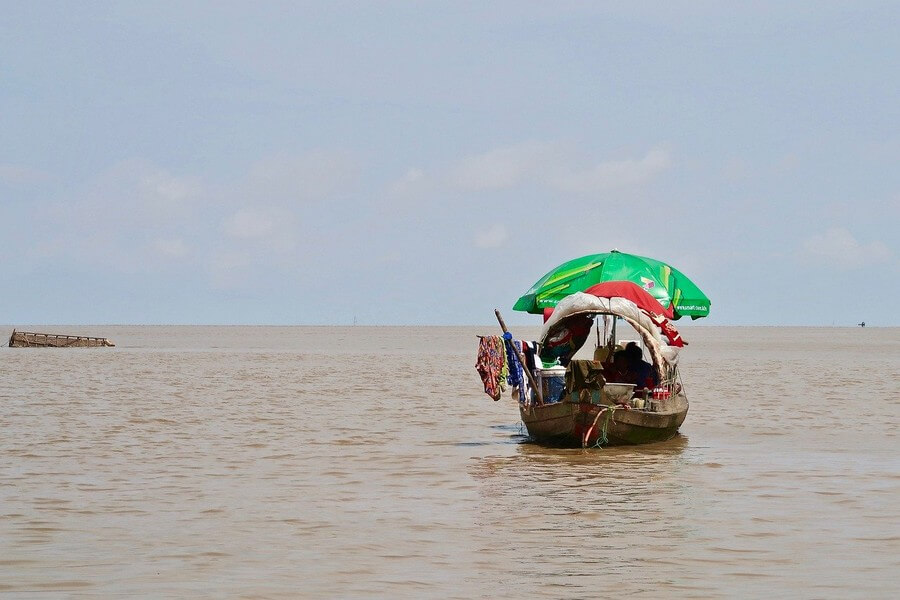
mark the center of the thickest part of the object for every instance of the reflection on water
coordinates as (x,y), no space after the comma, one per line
(358,462)
(580,516)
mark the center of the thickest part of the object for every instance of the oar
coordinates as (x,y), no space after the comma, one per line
(534,386)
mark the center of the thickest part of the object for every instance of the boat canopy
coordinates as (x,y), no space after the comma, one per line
(568,328)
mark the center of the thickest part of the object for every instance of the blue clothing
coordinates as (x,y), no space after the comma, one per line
(643,375)
(516,377)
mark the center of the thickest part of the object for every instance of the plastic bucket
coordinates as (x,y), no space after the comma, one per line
(553,383)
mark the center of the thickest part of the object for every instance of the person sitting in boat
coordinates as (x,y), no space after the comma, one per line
(615,370)
(639,371)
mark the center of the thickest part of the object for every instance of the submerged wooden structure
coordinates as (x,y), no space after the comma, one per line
(30,339)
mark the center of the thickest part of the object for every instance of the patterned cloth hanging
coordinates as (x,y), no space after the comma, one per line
(491,365)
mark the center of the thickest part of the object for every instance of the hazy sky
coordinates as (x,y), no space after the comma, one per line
(425,162)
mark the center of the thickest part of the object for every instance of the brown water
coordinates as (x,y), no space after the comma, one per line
(366,462)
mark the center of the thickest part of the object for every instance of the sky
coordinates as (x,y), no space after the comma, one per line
(413,163)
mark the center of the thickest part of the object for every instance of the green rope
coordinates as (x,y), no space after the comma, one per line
(602,439)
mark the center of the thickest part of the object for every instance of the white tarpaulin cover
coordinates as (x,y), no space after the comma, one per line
(583,305)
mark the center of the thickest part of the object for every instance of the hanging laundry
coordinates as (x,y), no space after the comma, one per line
(584,375)
(517,379)
(491,364)
(529,350)
(504,372)
(516,372)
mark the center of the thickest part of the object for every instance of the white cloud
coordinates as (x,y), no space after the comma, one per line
(300,178)
(789,162)
(504,167)
(160,186)
(136,193)
(170,248)
(492,238)
(839,248)
(143,218)
(611,174)
(135,213)
(736,169)
(19,175)
(229,270)
(553,166)
(249,223)
(413,181)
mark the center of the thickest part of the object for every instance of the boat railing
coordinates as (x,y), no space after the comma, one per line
(24,339)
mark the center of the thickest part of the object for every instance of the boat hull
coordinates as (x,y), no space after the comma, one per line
(578,424)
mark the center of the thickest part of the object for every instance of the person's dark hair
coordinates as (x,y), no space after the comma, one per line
(632,350)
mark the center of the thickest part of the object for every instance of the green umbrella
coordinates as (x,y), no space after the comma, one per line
(665,283)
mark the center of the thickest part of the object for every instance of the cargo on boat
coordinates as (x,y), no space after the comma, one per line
(30,339)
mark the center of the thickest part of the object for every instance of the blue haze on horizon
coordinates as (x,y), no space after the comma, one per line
(423,163)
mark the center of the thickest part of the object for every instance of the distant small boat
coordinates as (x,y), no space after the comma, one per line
(30,339)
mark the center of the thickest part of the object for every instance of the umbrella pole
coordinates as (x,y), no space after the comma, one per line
(534,386)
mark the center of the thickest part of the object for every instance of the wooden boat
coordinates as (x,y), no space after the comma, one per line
(583,412)
(575,423)
(29,339)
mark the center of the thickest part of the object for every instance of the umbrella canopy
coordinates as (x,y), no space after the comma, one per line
(669,286)
(632,291)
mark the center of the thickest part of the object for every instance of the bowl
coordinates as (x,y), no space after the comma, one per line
(617,393)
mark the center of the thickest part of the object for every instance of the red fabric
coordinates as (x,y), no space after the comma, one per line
(647,303)
(547,313)
(630,291)
(667,328)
